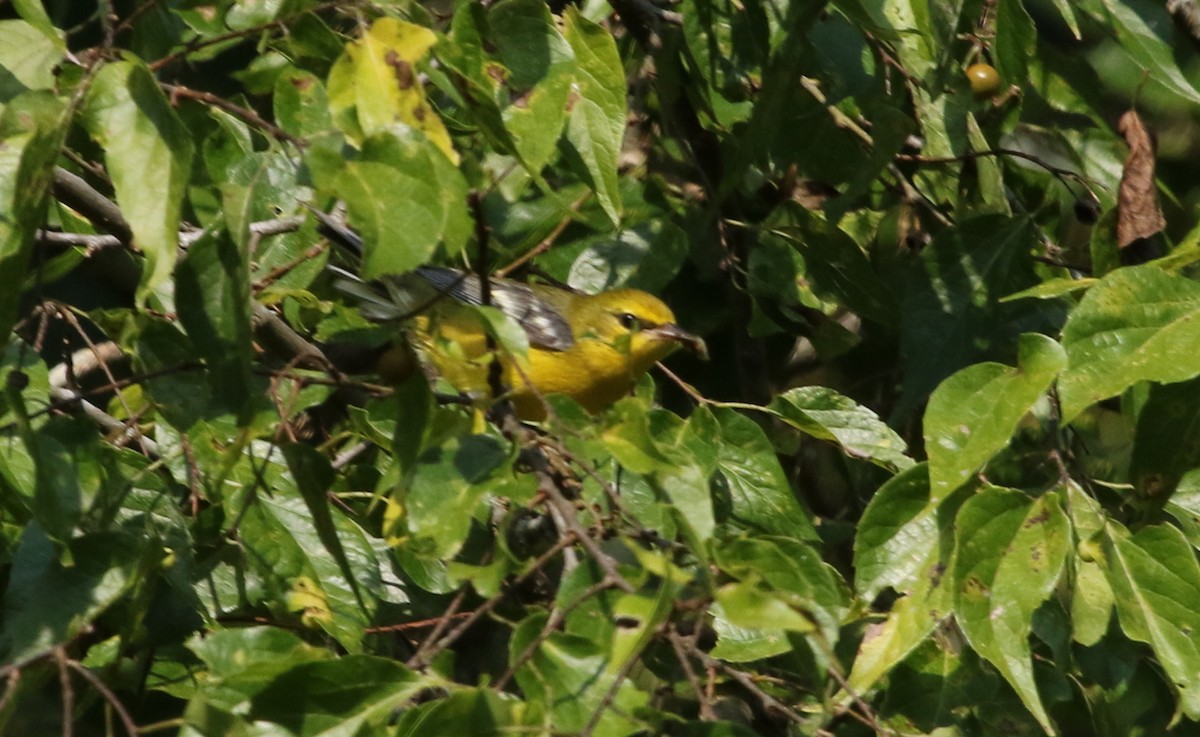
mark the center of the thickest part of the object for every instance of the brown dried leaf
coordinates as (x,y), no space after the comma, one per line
(1138,215)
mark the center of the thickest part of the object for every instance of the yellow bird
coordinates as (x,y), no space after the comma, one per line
(591,347)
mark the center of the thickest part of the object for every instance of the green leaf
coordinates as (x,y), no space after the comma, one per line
(746,605)
(1145,32)
(527,41)
(823,413)
(1137,324)
(413,402)
(952,315)
(1156,582)
(28,55)
(746,644)
(212,291)
(535,120)
(685,483)
(793,573)
(31,133)
(1091,603)
(542,77)
(479,712)
(301,103)
(710,39)
(256,187)
(1067,11)
(35,15)
(1009,557)
(912,28)
(1052,288)
(285,546)
(242,16)
(644,256)
(50,602)
(1167,443)
(231,652)
(180,393)
(148,154)
(596,126)
(349,696)
(940,680)
(992,195)
(836,268)
(910,622)
(242,662)
(59,495)
(449,482)
(404,197)
(904,542)
(480,79)
(573,678)
(973,414)
(1016,41)
(677,459)
(749,475)
(897,533)
(1092,596)
(313,475)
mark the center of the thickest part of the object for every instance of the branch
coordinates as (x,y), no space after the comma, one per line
(769,702)
(246,114)
(421,659)
(87,360)
(75,193)
(108,695)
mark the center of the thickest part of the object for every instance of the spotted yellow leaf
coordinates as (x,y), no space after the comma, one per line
(374,84)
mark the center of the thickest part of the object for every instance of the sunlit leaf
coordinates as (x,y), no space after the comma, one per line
(997,594)
(825,414)
(1156,583)
(1137,324)
(973,414)
(148,152)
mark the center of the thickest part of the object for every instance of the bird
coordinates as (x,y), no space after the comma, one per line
(590,347)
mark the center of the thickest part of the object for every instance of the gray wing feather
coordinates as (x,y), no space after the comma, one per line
(392,298)
(545,327)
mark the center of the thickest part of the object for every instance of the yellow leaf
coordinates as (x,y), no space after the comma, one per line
(375,85)
(307,597)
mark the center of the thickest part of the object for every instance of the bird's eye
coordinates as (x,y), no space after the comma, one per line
(628,321)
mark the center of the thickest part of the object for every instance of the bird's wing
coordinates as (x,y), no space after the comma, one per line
(543,323)
(392,297)
(381,300)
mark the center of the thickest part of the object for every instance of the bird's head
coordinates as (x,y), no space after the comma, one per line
(640,324)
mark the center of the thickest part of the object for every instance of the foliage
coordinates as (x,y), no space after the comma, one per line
(939,477)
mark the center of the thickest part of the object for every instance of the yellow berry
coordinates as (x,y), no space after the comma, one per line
(984,80)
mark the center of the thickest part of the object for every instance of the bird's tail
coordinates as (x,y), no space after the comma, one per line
(381,300)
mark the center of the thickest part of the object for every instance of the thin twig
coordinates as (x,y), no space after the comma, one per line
(489,605)
(631,662)
(1059,172)
(769,702)
(108,695)
(13,674)
(443,623)
(246,114)
(68,692)
(706,711)
(558,615)
(548,242)
(203,43)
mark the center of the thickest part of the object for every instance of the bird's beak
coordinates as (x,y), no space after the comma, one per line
(671,331)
